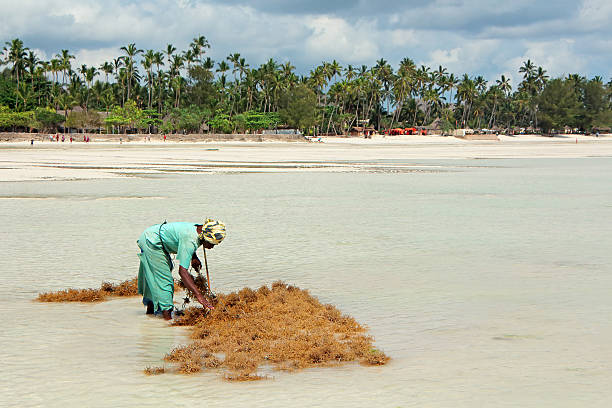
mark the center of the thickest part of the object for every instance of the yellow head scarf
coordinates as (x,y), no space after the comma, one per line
(212,231)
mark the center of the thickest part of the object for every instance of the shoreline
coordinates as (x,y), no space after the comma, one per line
(48,161)
(42,139)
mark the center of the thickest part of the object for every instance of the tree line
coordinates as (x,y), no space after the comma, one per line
(187,91)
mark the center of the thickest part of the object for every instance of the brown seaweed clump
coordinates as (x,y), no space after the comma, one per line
(201,284)
(125,288)
(281,326)
(154,370)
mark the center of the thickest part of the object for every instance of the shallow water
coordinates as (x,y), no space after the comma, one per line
(487,281)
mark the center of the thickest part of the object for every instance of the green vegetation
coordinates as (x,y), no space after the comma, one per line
(151,91)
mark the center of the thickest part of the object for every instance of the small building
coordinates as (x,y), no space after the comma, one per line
(601,129)
(434,128)
(362,131)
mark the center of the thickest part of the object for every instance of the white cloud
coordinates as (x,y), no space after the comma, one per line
(596,14)
(95,57)
(557,57)
(335,38)
(467,58)
(473,36)
(402,37)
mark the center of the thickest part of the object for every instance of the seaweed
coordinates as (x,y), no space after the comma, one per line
(125,288)
(201,284)
(154,370)
(281,326)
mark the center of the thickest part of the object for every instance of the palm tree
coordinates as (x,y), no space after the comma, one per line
(16,56)
(466,92)
(176,64)
(432,100)
(64,57)
(189,57)
(350,73)
(24,93)
(235,60)
(82,71)
(55,67)
(243,67)
(504,85)
(222,67)
(452,81)
(107,68)
(130,52)
(32,62)
(440,74)
(528,69)
(90,74)
(169,51)
(541,78)
(118,68)
(147,64)
(198,45)
(402,88)
(158,60)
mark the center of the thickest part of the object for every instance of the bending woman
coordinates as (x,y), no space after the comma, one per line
(155,282)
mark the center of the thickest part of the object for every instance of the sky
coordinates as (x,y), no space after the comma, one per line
(478,37)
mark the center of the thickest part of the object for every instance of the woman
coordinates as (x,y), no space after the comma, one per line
(155,281)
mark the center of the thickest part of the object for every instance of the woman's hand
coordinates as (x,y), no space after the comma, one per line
(204,302)
(196,264)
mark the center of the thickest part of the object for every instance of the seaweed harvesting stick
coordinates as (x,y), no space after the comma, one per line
(210,293)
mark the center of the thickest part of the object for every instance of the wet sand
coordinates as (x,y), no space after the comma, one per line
(19,161)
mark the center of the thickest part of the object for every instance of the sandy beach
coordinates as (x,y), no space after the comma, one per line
(20,161)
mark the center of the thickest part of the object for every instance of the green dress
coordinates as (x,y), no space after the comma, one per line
(155,282)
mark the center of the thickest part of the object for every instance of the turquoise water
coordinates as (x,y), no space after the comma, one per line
(487,281)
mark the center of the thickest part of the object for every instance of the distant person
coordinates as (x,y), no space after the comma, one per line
(63,138)
(164,138)
(57,137)
(155,281)
(31,142)
(70,138)
(50,138)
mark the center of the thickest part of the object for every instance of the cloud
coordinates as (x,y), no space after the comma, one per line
(334,38)
(485,37)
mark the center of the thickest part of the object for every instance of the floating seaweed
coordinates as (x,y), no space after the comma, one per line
(154,370)
(283,327)
(125,288)
(107,289)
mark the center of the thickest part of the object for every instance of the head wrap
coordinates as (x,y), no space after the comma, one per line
(213,232)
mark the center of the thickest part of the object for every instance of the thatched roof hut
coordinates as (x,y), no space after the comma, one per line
(435,125)
(361,130)
(601,129)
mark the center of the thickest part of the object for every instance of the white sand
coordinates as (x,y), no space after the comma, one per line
(60,161)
